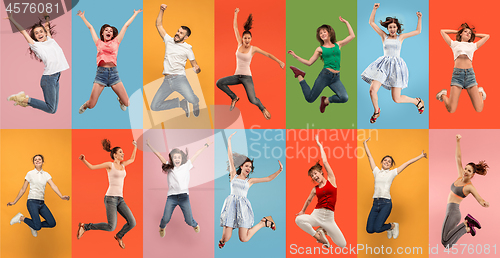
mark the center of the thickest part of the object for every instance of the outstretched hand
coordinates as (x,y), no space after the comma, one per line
(236,11)
(419,14)
(291,53)
(138,11)
(342,19)
(230,136)
(134,143)
(367,140)
(424,154)
(65,197)
(458,137)
(10,203)
(80,13)
(486,204)
(82,157)
(376,5)
(317,140)
(282,65)
(163,7)
(281,165)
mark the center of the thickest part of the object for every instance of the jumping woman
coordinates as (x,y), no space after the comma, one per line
(178,169)
(44,49)
(329,51)
(113,200)
(243,75)
(37,179)
(390,70)
(463,74)
(453,228)
(107,51)
(382,202)
(237,211)
(323,214)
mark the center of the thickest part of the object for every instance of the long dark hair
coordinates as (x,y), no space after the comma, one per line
(106,145)
(389,20)
(393,163)
(168,167)
(31,32)
(331,33)
(462,28)
(239,160)
(480,168)
(115,31)
(248,25)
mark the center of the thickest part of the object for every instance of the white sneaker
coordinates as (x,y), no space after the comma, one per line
(197,229)
(395,230)
(440,95)
(82,108)
(389,233)
(16,219)
(19,99)
(34,233)
(481,90)
(122,106)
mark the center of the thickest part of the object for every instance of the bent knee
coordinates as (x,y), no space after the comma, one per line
(219,84)
(299,220)
(342,244)
(91,104)
(370,230)
(344,98)
(37,227)
(396,99)
(126,102)
(132,223)
(51,223)
(243,239)
(451,109)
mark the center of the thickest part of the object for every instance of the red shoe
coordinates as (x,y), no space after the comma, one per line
(297,71)
(221,244)
(322,106)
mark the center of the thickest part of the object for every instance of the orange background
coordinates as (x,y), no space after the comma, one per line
(18,149)
(89,188)
(409,191)
(441,64)
(299,184)
(269,34)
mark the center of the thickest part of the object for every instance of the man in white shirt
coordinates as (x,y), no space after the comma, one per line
(177,52)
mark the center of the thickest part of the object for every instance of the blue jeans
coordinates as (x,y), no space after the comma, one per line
(50,88)
(183,201)
(37,208)
(107,76)
(247,82)
(464,78)
(325,78)
(381,210)
(170,84)
(114,204)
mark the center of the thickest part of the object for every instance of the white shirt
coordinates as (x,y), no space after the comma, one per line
(463,48)
(37,180)
(51,54)
(178,179)
(176,55)
(383,181)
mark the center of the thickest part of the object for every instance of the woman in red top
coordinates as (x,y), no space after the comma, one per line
(323,214)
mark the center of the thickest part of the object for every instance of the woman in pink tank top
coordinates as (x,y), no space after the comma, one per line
(107,51)
(243,75)
(113,199)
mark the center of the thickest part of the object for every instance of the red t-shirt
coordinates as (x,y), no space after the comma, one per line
(327,196)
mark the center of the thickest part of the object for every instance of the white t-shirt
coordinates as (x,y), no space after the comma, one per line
(51,54)
(37,180)
(383,181)
(463,48)
(178,179)
(176,55)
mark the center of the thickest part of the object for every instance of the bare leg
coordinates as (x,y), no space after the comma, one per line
(451,103)
(300,78)
(398,98)
(94,95)
(120,91)
(374,87)
(226,234)
(476,97)
(247,233)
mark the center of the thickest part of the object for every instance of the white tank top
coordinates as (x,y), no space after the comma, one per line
(243,62)
(116,178)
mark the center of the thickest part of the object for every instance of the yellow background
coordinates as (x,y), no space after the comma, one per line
(409,191)
(18,148)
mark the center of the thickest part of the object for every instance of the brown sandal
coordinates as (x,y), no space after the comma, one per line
(233,103)
(422,107)
(270,219)
(374,117)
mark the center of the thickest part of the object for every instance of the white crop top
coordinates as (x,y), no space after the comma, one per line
(463,48)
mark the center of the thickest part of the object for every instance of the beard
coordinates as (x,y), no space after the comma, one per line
(179,40)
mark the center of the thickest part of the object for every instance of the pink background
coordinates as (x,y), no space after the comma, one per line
(476,145)
(22,73)
(180,239)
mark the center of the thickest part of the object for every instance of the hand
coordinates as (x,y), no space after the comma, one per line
(486,204)
(163,7)
(376,6)
(196,69)
(291,53)
(209,143)
(458,137)
(147,141)
(281,165)
(236,11)
(82,157)
(44,14)
(342,19)
(367,140)
(230,136)
(424,154)
(138,11)
(10,203)
(281,64)
(65,197)
(81,14)
(419,15)
(317,140)
(134,143)
(300,213)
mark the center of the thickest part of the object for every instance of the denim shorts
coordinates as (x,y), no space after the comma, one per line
(107,76)
(464,78)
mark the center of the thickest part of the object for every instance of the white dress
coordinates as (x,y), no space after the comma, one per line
(237,211)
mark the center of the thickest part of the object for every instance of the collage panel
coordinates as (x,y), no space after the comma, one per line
(189,184)
(393,192)
(318,179)
(464,64)
(36,181)
(305,94)
(459,194)
(107,93)
(393,76)
(36,78)
(251,223)
(107,220)
(250,79)
(176,94)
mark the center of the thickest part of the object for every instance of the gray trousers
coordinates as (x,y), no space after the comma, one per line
(453,229)
(113,205)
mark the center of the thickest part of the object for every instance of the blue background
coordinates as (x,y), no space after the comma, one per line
(414,51)
(266,198)
(107,113)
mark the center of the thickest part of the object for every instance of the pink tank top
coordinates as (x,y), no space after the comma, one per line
(107,51)
(243,62)
(116,178)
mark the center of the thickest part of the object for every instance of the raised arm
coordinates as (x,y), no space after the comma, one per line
(368,154)
(106,165)
(159,21)
(195,66)
(331,176)
(415,32)
(476,195)
(125,26)
(308,201)
(56,190)
(375,27)
(351,33)
(235,26)
(232,169)
(458,156)
(411,161)
(132,158)
(46,25)
(267,178)
(260,51)
(162,159)
(484,38)
(21,29)
(446,37)
(311,60)
(20,194)
(95,38)
(200,151)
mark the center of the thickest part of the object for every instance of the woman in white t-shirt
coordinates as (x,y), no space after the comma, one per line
(37,179)
(177,169)
(463,74)
(382,203)
(44,49)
